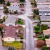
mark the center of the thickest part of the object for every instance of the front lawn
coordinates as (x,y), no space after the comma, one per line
(15,44)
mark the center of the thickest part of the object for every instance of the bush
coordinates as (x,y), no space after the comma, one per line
(36,28)
(5,7)
(43,38)
(46,36)
(15,12)
(44,48)
(21,41)
(22,0)
(36,11)
(1,1)
(44,27)
(6,11)
(21,36)
(39,36)
(20,21)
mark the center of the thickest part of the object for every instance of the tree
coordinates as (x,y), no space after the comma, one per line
(11,48)
(36,28)
(21,36)
(47,36)
(40,43)
(22,0)
(36,11)
(21,41)
(3,19)
(44,27)
(44,48)
(6,11)
(15,12)
(35,4)
(8,3)
(1,1)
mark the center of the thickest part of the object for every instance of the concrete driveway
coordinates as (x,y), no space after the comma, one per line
(2,47)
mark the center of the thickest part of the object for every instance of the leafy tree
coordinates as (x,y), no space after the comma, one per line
(40,43)
(21,41)
(6,11)
(3,19)
(35,4)
(11,48)
(44,48)
(36,11)
(1,1)
(21,36)
(22,0)
(47,36)
(15,12)
(44,27)
(36,28)
(8,3)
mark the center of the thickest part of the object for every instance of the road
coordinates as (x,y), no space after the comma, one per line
(29,27)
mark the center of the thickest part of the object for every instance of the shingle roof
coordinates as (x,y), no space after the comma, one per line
(10,31)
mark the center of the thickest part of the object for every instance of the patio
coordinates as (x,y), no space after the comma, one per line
(9,39)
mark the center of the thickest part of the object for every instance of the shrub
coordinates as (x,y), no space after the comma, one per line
(1,1)
(39,36)
(36,28)
(15,12)
(44,27)
(22,0)
(47,36)
(44,48)
(21,41)
(21,36)
(36,11)
(43,38)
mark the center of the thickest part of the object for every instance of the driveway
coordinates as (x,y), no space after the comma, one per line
(2,47)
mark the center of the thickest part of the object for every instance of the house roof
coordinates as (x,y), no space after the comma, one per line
(10,31)
(46,32)
(48,41)
(10,0)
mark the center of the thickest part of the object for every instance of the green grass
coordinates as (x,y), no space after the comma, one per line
(15,44)
(20,22)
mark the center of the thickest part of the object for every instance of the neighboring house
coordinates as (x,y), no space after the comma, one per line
(45,18)
(12,0)
(48,42)
(38,1)
(46,32)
